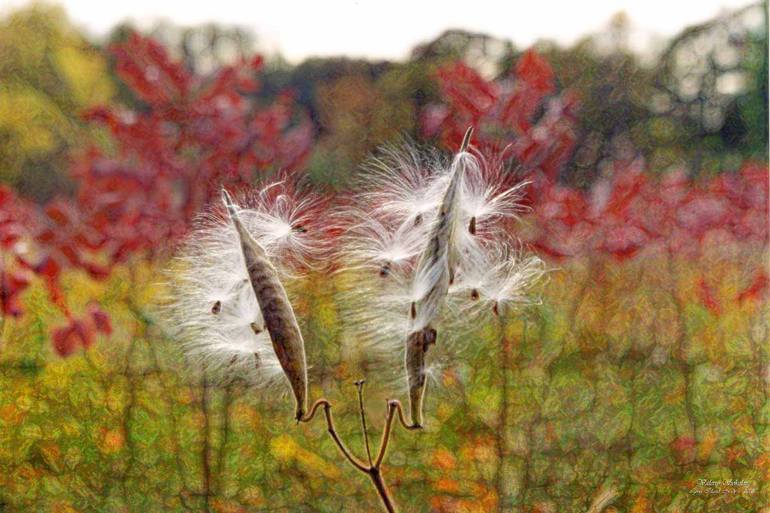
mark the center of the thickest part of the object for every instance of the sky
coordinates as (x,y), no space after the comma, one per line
(389,29)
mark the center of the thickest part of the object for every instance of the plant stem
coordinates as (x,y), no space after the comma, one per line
(376,476)
(206,450)
(333,432)
(506,357)
(360,388)
(373,470)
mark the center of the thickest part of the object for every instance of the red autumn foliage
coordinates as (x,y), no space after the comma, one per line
(708,297)
(15,217)
(77,333)
(758,287)
(11,285)
(100,319)
(191,135)
(194,133)
(505,114)
(81,332)
(684,449)
(11,228)
(620,215)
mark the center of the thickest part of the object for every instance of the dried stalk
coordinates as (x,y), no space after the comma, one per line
(506,357)
(373,469)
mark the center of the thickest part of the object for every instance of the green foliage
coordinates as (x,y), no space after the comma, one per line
(127,426)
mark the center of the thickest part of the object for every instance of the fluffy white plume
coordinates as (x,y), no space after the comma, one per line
(210,305)
(428,250)
(504,278)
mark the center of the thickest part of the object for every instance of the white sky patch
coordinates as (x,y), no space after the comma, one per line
(377,29)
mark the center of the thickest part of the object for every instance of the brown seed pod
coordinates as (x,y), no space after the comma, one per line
(276,310)
(439,260)
(417,345)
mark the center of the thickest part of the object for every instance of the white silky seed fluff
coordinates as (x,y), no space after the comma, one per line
(393,218)
(210,305)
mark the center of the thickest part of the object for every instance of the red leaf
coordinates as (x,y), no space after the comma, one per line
(708,298)
(96,271)
(11,285)
(85,331)
(48,268)
(756,289)
(624,241)
(684,448)
(100,319)
(65,340)
(536,71)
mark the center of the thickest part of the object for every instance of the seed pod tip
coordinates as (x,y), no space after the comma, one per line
(466,139)
(228,201)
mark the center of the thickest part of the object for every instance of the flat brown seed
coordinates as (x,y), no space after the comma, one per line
(474,294)
(429,339)
(472,226)
(216,308)
(256,328)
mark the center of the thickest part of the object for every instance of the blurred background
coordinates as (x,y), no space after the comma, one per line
(643,132)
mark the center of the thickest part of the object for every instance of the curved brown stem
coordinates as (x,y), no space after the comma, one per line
(333,432)
(401,417)
(386,431)
(373,470)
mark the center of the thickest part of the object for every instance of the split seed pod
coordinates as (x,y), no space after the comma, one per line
(426,250)
(437,266)
(276,310)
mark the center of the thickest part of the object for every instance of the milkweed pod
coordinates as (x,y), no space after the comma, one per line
(277,312)
(417,345)
(437,266)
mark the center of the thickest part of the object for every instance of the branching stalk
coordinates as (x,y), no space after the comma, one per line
(374,468)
